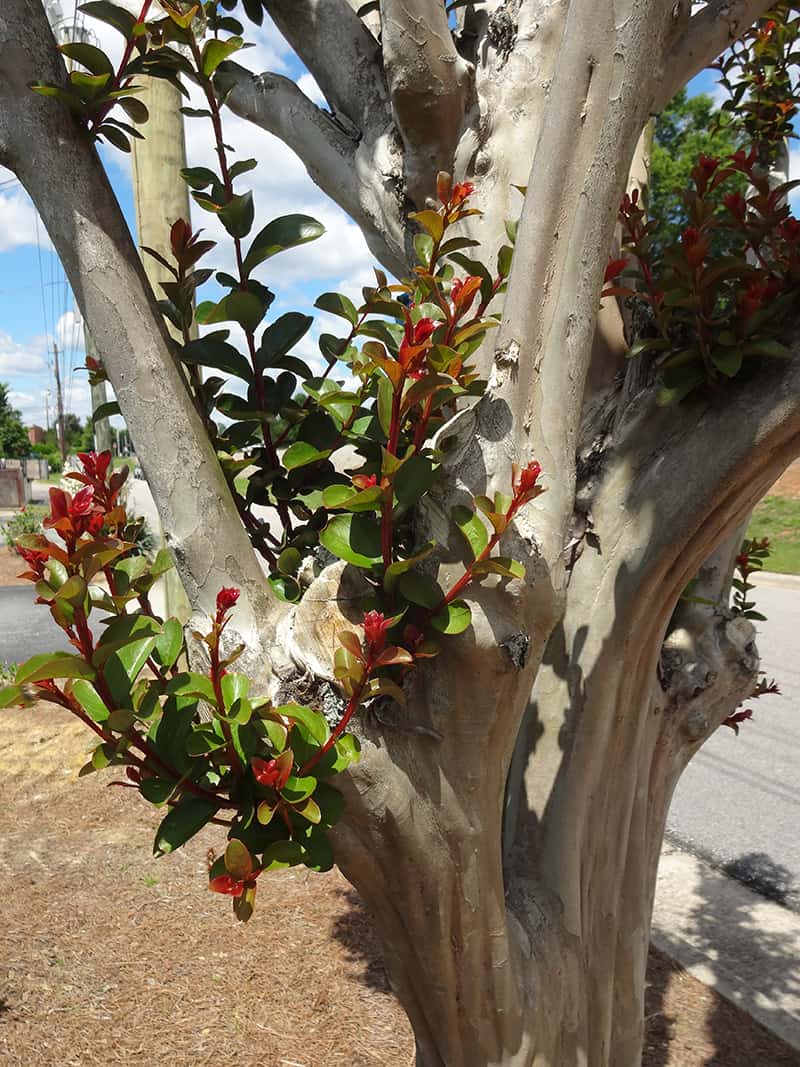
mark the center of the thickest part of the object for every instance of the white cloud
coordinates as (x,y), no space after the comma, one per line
(308,84)
(18,219)
(16,358)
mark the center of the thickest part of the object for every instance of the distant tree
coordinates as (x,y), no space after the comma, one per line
(13,437)
(687,126)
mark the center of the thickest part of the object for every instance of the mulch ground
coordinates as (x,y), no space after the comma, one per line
(110,956)
(788,484)
(10,566)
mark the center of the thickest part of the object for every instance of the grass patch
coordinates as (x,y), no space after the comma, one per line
(778,518)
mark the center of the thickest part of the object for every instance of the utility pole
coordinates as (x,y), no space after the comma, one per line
(161,197)
(62,438)
(102,428)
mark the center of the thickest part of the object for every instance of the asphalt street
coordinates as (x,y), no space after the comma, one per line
(738,802)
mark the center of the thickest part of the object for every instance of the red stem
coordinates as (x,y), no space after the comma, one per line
(116,83)
(341,726)
(216,121)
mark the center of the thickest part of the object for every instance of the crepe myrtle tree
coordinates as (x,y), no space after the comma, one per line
(469,615)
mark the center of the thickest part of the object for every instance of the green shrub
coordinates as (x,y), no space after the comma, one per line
(27,520)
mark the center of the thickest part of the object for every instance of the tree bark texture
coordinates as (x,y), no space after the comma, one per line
(528,951)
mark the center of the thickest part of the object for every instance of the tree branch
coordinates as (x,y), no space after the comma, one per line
(592,118)
(58,166)
(277,105)
(340,52)
(706,36)
(428,84)
(354,171)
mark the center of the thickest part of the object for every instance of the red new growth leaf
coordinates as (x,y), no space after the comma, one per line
(615,267)
(364,481)
(226,598)
(734,720)
(461,192)
(227,885)
(375,627)
(416,340)
(273,772)
(736,204)
(463,293)
(524,482)
(81,503)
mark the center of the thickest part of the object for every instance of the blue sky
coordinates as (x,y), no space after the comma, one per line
(36,305)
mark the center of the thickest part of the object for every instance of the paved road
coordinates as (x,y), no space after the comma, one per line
(26,628)
(738,802)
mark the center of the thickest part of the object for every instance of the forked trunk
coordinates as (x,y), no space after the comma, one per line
(540,961)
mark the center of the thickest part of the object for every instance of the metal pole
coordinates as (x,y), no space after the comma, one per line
(62,438)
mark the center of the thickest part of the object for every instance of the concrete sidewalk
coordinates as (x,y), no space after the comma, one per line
(745,947)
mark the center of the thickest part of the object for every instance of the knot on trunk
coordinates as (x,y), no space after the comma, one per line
(707,667)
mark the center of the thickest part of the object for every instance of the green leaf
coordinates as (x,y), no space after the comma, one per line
(767,347)
(309,809)
(191,684)
(727,360)
(238,214)
(157,790)
(338,304)
(297,789)
(398,568)
(135,109)
(504,257)
(105,411)
(73,591)
(508,568)
(112,15)
(241,306)
(284,587)
(421,589)
(123,631)
(49,665)
(216,51)
(213,351)
(355,538)
(285,232)
(10,694)
(115,137)
(455,618)
(181,823)
(300,454)
(235,688)
(242,166)
(120,720)
(282,854)
(198,177)
(413,479)
(312,720)
(280,337)
(169,643)
(238,861)
(95,61)
(472,528)
(90,700)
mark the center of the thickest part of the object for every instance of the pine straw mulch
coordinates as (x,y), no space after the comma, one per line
(10,566)
(110,956)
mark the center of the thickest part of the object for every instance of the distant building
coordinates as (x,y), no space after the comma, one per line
(35,435)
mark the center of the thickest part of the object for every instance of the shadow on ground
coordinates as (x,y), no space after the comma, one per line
(769,975)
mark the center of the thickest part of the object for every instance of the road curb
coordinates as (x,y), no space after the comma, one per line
(785,581)
(726,936)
